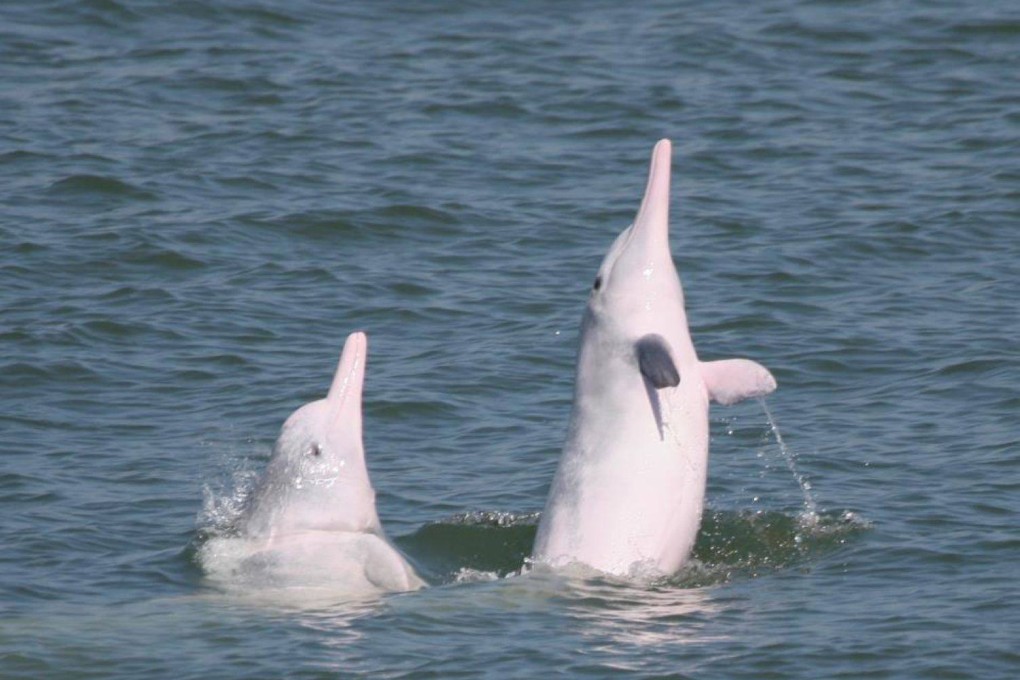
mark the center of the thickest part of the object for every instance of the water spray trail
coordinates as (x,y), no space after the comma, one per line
(810,507)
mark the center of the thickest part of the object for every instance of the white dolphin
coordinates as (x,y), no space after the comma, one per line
(627,496)
(311,521)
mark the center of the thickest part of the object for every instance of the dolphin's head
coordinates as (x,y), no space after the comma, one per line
(316,478)
(637,286)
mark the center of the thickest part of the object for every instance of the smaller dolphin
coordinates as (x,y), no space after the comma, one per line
(627,496)
(311,520)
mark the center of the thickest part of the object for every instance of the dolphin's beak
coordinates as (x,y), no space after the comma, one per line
(344,396)
(651,226)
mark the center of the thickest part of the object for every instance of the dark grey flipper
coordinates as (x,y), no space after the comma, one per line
(656,362)
(653,400)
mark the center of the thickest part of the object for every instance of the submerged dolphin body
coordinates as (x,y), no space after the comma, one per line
(311,521)
(627,496)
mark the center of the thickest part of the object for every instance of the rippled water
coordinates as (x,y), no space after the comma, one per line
(200,201)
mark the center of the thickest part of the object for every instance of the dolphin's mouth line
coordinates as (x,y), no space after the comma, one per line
(609,264)
(627,242)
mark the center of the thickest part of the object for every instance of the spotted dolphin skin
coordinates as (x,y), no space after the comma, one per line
(627,495)
(311,521)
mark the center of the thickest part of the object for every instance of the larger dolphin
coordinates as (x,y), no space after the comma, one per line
(311,521)
(627,496)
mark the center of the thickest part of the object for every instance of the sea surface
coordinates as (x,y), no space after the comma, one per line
(200,200)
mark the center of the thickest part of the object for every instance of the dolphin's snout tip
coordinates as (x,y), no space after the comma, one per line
(357,342)
(653,215)
(663,150)
(351,370)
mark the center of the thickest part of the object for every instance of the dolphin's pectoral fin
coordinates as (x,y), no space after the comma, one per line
(653,400)
(656,361)
(732,380)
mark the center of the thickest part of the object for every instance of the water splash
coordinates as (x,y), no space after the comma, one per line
(810,515)
(478,547)
(225,498)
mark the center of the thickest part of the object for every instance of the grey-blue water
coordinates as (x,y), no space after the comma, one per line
(199,200)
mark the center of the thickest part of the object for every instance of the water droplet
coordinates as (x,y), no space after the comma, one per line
(810,507)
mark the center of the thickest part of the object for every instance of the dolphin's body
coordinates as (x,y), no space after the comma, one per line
(627,496)
(311,521)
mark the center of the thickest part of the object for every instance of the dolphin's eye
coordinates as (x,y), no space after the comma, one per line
(316,450)
(597,284)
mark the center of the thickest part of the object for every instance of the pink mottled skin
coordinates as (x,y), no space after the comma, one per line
(627,496)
